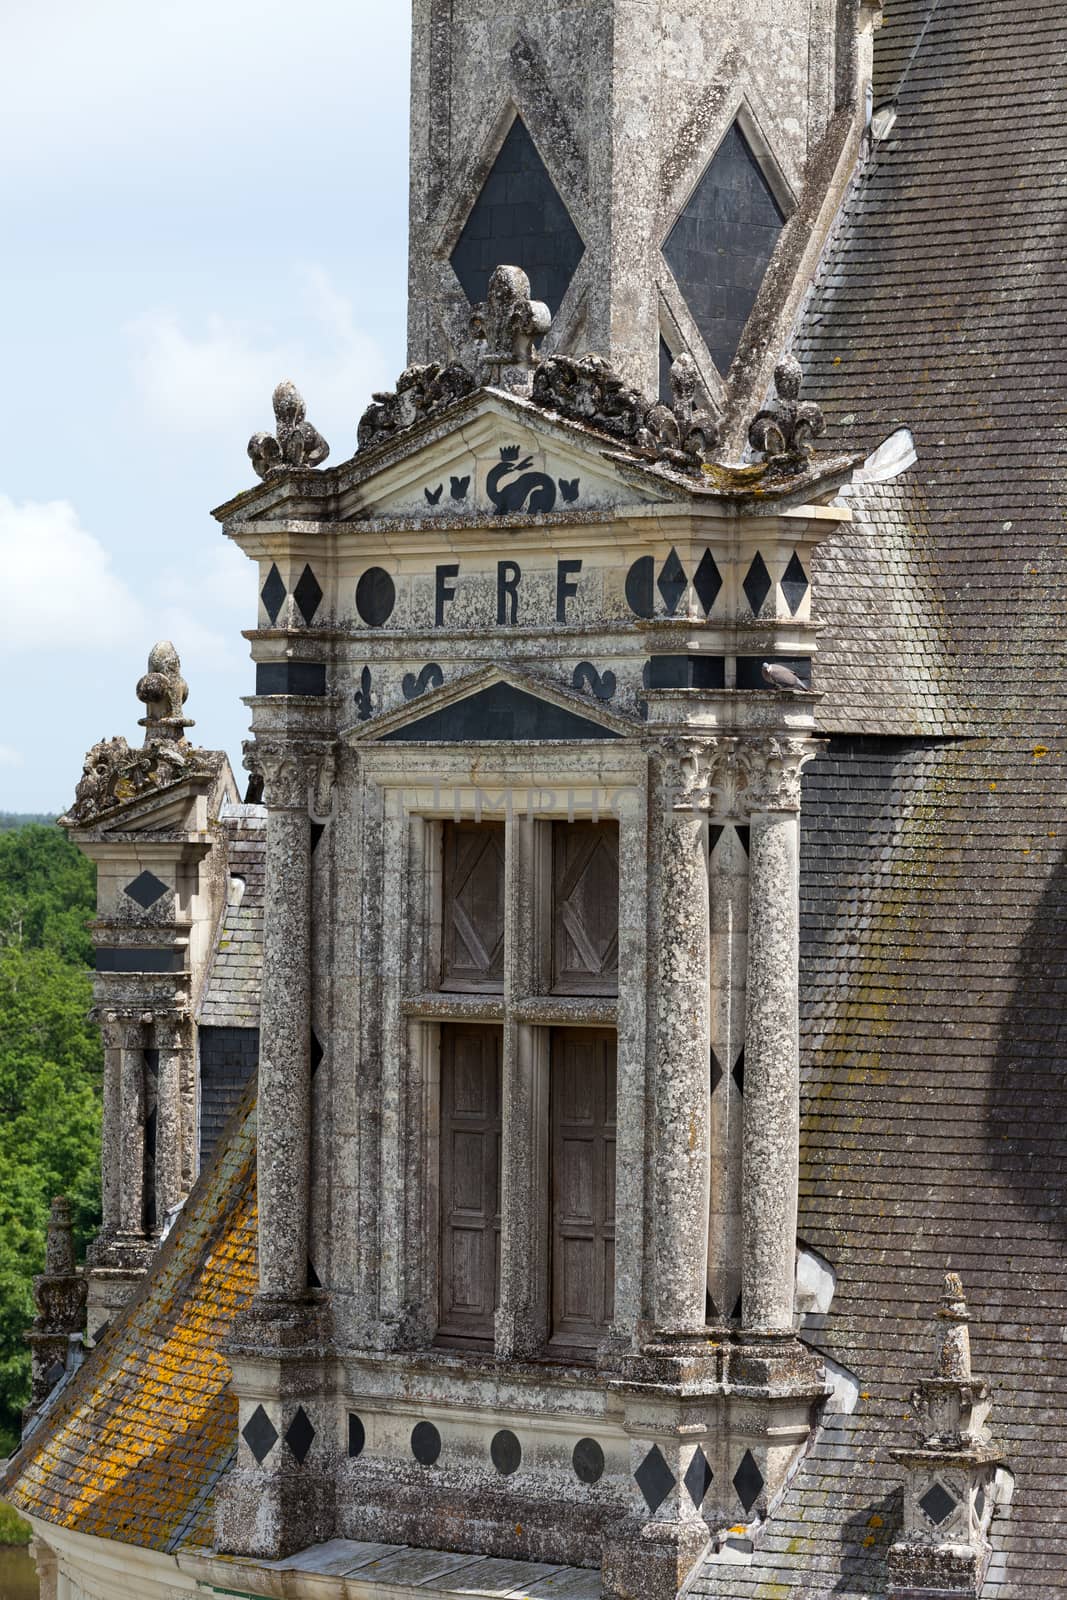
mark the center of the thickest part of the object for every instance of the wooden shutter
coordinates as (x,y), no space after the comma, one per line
(470,1181)
(472,921)
(583,1186)
(585,908)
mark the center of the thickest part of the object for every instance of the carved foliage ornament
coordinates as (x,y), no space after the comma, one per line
(589,390)
(782,432)
(294,442)
(295,777)
(736,777)
(420,391)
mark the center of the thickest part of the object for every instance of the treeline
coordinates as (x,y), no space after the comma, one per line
(50,1076)
(19,819)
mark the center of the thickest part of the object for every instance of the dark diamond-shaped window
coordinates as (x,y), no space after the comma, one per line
(739,1073)
(719,248)
(707,581)
(672,582)
(655,1478)
(146,890)
(299,1435)
(937,1504)
(794,584)
(748,1481)
(716,1072)
(698,1477)
(519,220)
(260,1435)
(273,593)
(317,1053)
(666,362)
(308,594)
(757,584)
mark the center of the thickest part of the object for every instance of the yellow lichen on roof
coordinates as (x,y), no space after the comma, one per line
(135,1445)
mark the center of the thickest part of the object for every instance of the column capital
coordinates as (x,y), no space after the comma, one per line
(169,1032)
(123,1030)
(297,775)
(734,775)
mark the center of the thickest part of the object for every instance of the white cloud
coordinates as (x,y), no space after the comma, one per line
(220,379)
(10,757)
(60,593)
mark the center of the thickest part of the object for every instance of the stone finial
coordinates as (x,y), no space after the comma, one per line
(294,442)
(782,431)
(506,324)
(59,1294)
(951,1479)
(164,691)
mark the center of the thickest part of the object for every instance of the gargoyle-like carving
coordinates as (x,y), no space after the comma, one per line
(782,431)
(164,691)
(294,442)
(420,391)
(506,324)
(589,390)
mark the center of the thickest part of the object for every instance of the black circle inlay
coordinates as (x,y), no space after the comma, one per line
(425,1443)
(640,587)
(588,1460)
(506,1452)
(375,597)
(357,1436)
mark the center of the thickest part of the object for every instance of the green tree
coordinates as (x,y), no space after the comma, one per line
(50,1077)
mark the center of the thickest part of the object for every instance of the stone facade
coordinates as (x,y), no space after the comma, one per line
(571,139)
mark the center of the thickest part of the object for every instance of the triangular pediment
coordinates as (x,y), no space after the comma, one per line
(497,705)
(488,457)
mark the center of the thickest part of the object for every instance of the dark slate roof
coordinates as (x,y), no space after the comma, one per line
(934,877)
(134,1447)
(231,993)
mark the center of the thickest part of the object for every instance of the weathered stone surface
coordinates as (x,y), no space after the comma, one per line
(294,442)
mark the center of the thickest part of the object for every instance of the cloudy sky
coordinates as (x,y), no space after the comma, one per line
(199,197)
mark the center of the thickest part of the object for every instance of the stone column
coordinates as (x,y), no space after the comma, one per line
(131,1163)
(113,1031)
(284,1119)
(728,871)
(170,1040)
(681,1043)
(771,1157)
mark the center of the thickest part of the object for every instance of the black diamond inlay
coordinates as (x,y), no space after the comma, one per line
(519,220)
(314,1281)
(757,584)
(714,835)
(260,1435)
(716,1072)
(357,1436)
(317,831)
(640,582)
(308,594)
(655,1478)
(375,597)
(794,584)
(588,1461)
(672,582)
(707,581)
(711,1310)
(744,834)
(146,890)
(937,1504)
(273,593)
(317,1053)
(506,1452)
(300,1434)
(748,1481)
(719,247)
(425,1443)
(738,1073)
(738,1310)
(698,1478)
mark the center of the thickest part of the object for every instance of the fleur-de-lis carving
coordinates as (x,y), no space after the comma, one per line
(294,442)
(506,325)
(362,696)
(782,431)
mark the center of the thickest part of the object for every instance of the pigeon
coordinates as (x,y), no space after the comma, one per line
(781,678)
